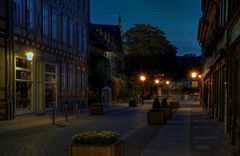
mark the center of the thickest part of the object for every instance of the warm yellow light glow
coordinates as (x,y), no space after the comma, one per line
(167,82)
(157,81)
(199,76)
(142,78)
(29,55)
(194,74)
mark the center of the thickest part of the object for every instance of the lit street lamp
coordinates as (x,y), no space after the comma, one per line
(142,79)
(157,81)
(167,82)
(194,74)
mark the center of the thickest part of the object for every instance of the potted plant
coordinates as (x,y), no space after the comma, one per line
(156,114)
(166,108)
(96,109)
(88,143)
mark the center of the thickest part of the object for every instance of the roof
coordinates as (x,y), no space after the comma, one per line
(108,35)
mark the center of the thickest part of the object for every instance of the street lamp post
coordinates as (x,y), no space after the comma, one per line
(168,88)
(157,83)
(142,79)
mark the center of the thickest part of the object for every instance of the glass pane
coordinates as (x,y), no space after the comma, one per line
(23,95)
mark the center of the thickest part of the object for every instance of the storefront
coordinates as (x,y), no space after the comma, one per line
(24,86)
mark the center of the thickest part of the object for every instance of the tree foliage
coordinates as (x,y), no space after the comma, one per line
(148,50)
(144,39)
(98,73)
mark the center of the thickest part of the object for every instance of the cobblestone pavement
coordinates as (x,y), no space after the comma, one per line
(190,131)
(48,140)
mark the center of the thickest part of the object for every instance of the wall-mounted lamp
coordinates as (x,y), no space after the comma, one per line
(29,55)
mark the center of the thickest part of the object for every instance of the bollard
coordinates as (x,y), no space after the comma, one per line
(66,111)
(77,109)
(53,116)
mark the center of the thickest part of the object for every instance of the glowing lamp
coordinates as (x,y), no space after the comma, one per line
(29,56)
(157,81)
(194,74)
(142,78)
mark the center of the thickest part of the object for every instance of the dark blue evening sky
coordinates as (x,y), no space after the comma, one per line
(177,18)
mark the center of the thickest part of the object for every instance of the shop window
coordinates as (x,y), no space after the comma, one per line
(24,85)
(50,85)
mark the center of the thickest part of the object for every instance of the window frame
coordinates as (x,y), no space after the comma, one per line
(18,11)
(54,26)
(45,20)
(64,30)
(30,15)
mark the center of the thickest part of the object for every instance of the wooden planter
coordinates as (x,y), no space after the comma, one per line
(97,150)
(96,109)
(156,117)
(174,104)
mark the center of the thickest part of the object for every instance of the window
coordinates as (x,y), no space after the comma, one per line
(79,38)
(45,20)
(84,40)
(71,34)
(30,14)
(63,77)
(54,25)
(79,79)
(69,78)
(64,30)
(18,11)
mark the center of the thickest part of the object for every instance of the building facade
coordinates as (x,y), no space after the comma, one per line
(56,32)
(219,36)
(106,41)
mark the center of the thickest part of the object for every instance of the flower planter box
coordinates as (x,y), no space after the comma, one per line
(115,149)
(174,104)
(156,117)
(96,109)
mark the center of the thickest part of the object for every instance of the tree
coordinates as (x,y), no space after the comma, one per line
(98,73)
(148,50)
(145,40)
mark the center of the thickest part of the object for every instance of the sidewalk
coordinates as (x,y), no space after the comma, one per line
(190,132)
(32,120)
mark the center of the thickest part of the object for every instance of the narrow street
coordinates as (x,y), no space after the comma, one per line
(190,131)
